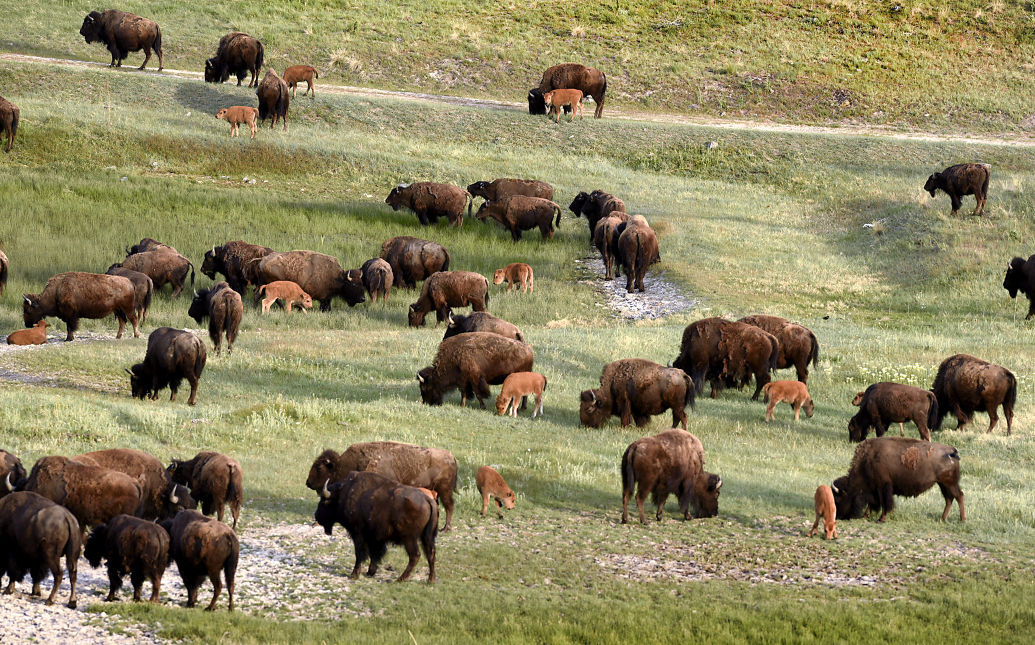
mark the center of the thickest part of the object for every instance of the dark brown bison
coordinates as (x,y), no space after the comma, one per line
(727,353)
(377,511)
(671,462)
(319,275)
(576,76)
(447,289)
(34,534)
(482,321)
(472,362)
(230,259)
(237,54)
(634,389)
(965,385)
(518,213)
(377,278)
(215,480)
(223,308)
(172,355)
(143,286)
(122,33)
(12,473)
(94,494)
(163,498)
(536,102)
(71,296)
(638,249)
(413,259)
(605,237)
(431,468)
(962,179)
(273,99)
(884,403)
(798,345)
(201,546)
(431,201)
(9,116)
(497,189)
(1020,276)
(163,264)
(147,244)
(595,206)
(887,466)
(130,545)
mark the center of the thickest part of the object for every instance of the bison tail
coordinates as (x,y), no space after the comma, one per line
(158,40)
(470,203)
(690,397)
(260,56)
(316,73)
(774,355)
(628,473)
(74,546)
(231,486)
(1011,393)
(933,418)
(445,265)
(557,209)
(14,128)
(191,273)
(486,292)
(815,351)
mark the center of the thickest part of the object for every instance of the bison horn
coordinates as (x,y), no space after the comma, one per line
(195,293)
(172,496)
(419,377)
(213,249)
(834,489)
(129,371)
(326,493)
(719,484)
(592,396)
(449,317)
(26,298)
(7,483)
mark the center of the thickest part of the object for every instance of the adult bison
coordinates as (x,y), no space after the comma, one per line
(798,345)
(670,462)
(93,494)
(447,289)
(163,264)
(223,308)
(215,480)
(172,355)
(966,384)
(413,259)
(273,99)
(122,33)
(887,466)
(130,545)
(1020,276)
(162,497)
(12,473)
(481,321)
(72,296)
(319,275)
(497,189)
(230,259)
(143,286)
(377,279)
(201,546)
(237,54)
(518,213)
(431,201)
(595,206)
(727,353)
(576,76)
(34,534)
(962,179)
(634,389)
(605,237)
(9,115)
(431,468)
(637,249)
(884,403)
(472,362)
(536,102)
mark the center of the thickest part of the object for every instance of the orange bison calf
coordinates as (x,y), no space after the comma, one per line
(285,290)
(491,485)
(559,99)
(517,386)
(793,392)
(33,336)
(298,73)
(515,273)
(235,115)
(826,510)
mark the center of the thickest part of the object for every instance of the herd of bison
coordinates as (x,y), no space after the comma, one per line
(141,513)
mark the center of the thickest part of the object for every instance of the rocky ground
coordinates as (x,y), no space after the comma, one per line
(660,298)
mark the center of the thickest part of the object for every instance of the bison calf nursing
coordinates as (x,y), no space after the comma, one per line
(671,462)
(589,80)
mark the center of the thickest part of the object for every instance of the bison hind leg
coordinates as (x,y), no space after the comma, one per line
(377,553)
(413,551)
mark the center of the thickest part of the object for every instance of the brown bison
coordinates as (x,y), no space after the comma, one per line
(130,545)
(273,99)
(235,115)
(143,286)
(590,80)
(12,473)
(638,249)
(36,335)
(214,479)
(34,534)
(200,547)
(286,291)
(122,33)
(519,213)
(4,263)
(962,179)
(447,289)
(163,498)
(431,201)
(413,259)
(965,385)
(71,296)
(669,462)
(884,403)
(798,345)
(536,102)
(431,468)
(1020,276)
(319,275)
(163,264)
(727,353)
(490,485)
(472,362)
(605,237)
(172,355)
(147,244)
(9,115)
(595,206)
(481,321)
(795,393)
(516,273)
(566,100)
(377,278)
(237,54)
(634,389)
(223,308)
(296,74)
(887,466)
(497,189)
(516,389)
(231,259)
(93,494)
(826,509)
(377,511)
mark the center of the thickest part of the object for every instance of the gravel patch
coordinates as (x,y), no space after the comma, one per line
(661,298)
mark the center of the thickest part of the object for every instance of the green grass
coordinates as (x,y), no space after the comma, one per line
(762,223)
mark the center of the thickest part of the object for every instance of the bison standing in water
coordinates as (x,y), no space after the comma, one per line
(71,296)
(727,353)
(238,53)
(590,80)
(634,389)
(671,462)
(965,385)
(122,33)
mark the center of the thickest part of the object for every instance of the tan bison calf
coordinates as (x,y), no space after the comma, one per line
(515,273)
(285,290)
(298,73)
(517,386)
(795,393)
(825,510)
(559,99)
(235,115)
(33,336)
(491,485)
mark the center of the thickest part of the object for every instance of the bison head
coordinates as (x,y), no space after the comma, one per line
(180,471)
(212,74)
(326,511)
(1014,280)
(94,550)
(483,211)
(140,384)
(478,189)
(578,203)
(932,183)
(849,505)
(858,426)
(351,288)
(416,316)
(399,197)
(32,309)
(91,29)
(199,306)
(809,407)
(211,264)
(706,495)
(323,469)
(429,393)
(177,498)
(594,409)
(536,103)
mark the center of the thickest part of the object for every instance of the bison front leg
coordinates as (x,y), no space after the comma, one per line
(72,325)
(760,380)
(114,580)
(950,493)
(956,203)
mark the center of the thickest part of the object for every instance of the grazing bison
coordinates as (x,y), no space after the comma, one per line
(296,74)
(71,296)
(965,385)
(884,402)
(431,468)
(130,545)
(490,485)
(143,286)
(590,80)
(122,33)
(287,291)
(795,393)
(319,275)
(237,54)
(273,99)
(223,308)
(163,498)
(481,321)
(1020,276)
(172,355)
(377,278)
(962,179)
(214,479)
(431,201)
(826,510)
(471,362)
(93,494)
(634,389)
(606,235)
(516,273)
(798,345)
(887,466)
(163,264)
(376,511)
(12,474)
(497,189)
(727,353)
(516,388)
(34,534)
(9,115)
(201,546)
(231,259)
(413,259)
(536,103)
(670,462)
(595,206)
(36,335)
(447,289)
(638,249)
(519,213)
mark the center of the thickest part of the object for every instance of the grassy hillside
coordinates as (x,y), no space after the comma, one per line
(761,223)
(948,66)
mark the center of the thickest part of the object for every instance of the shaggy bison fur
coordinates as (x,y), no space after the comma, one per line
(634,389)
(884,403)
(71,296)
(962,179)
(447,289)
(590,80)
(727,353)
(671,462)
(223,308)
(273,99)
(966,384)
(237,54)
(798,345)
(413,259)
(122,33)
(497,189)
(518,213)
(431,201)
(472,362)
